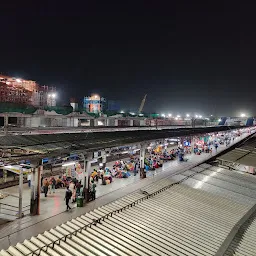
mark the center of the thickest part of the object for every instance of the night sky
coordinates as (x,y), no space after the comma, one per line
(188,56)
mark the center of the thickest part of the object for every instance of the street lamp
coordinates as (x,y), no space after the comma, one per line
(187,115)
(52,97)
(169,115)
(162,115)
(243,115)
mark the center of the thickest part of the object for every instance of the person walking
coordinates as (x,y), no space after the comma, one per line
(68,195)
(216,147)
(45,187)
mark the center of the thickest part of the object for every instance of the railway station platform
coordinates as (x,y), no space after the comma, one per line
(53,207)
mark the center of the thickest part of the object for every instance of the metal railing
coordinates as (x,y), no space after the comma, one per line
(94,222)
(12,210)
(9,210)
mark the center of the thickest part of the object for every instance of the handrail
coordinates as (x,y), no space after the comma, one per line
(94,222)
(12,210)
(9,205)
(8,214)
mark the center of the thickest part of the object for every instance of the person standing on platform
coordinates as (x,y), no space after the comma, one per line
(45,186)
(42,179)
(50,186)
(29,180)
(93,190)
(135,168)
(68,196)
(72,187)
(53,184)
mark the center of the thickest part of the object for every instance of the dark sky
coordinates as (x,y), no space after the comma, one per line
(188,56)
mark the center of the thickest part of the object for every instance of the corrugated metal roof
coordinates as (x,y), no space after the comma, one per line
(178,220)
(245,154)
(119,137)
(244,242)
(248,160)
(249,144)
(233,155)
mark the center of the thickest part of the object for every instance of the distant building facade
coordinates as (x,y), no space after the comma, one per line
(94,104)
(20,91)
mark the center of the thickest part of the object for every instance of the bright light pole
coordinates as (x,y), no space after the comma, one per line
(187,115)
(243,115)
(52,97)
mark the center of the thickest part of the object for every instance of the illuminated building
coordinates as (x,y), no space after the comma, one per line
(94,104)
(17,90)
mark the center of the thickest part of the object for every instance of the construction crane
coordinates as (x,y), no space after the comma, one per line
(142,104)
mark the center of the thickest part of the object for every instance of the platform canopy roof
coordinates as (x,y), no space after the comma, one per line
(202,211)
(245,154)
(62,142)
(234,155)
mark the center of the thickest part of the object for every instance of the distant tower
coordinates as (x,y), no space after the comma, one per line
(142,104)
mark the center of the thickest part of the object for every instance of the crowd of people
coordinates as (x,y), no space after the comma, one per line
(74,188)
(123,169)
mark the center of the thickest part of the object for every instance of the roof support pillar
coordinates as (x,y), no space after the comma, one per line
(86,174)
(104,158)
(142,160)
(20,214)
(35,190)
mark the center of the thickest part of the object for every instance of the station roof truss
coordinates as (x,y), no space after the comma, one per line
(196,212)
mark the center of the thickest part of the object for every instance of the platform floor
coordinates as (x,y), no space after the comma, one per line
(52,208)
